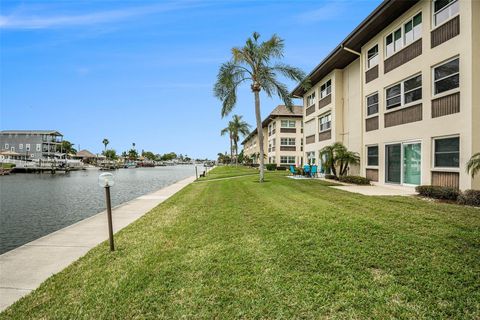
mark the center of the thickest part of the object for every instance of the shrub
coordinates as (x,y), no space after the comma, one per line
(271,166)
(438,192)
(282,168)
(354,180)
(470,198)
(330,176)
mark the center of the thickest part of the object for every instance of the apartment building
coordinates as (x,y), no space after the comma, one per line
(402,90)
(32,144)
(282,138)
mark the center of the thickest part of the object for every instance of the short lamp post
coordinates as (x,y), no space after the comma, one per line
(105,180)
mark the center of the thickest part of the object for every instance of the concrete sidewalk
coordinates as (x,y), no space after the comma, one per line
(23,269)
(378,190)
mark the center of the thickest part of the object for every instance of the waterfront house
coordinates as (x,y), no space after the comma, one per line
(282,137)
(33,144)
(402,91)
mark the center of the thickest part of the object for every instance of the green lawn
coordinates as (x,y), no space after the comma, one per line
(228,172)
(282,249)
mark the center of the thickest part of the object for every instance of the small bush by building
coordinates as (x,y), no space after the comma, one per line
(438,192)
(354,180)
(469,198)
(331,177)
(271,166)
(282,168)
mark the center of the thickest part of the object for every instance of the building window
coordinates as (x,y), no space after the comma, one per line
(325,89)
(273,160)
(325,122)
(311,99)
(12,149)
(372,104)
(288,124)
(446,76)
(411,31)
(287,159)
(20,146)
(405,92)
(372,156)
(311,157)
(39,147)
(444,10)
(372,57)
(447,152)
(287,141)
(27,146)
(7,146)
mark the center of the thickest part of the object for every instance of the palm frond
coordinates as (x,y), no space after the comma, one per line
(271,49)
(473,165)
(289,72)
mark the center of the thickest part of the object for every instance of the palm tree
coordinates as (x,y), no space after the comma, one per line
(473,165)
(254,63)
(238,127)
(105,143)
(337,155)
(229,130)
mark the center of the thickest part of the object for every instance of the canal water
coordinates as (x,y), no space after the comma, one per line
(34,205)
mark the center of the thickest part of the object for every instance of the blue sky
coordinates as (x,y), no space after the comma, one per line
(143,71)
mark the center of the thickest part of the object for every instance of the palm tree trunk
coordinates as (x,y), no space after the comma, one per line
(259,133)
(231,150)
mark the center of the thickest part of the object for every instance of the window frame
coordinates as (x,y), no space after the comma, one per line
(401,27)
(289,122)
(330,121)
(314,98)
(7,146)
(326,87)
(368,66)
(366,105)
(433,13)
(448,92)
(289,142)
(451,169)
(287,162)
(402,94)
(378,156)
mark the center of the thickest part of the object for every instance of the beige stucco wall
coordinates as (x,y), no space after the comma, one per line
(475,27)
(423,131)
(252,147)
(298,135)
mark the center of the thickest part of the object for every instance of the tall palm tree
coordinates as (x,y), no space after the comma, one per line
(229,130)
(254,62)
(105,143)
(473,165)
(239,128)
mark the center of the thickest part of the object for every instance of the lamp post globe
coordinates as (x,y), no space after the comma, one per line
(106,180)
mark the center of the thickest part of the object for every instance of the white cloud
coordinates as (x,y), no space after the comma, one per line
(36,21)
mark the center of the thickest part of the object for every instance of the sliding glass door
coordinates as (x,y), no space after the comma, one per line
(393,168)
(403,163)
(412,157)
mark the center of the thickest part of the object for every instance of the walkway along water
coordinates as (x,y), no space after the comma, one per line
(25,268)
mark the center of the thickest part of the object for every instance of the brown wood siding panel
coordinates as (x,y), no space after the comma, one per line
(325,135)
(371,124)
(310,139)
(446,179)
(445,32)
(287,148)
(310,110)
(371,74)
(446,105)
(372,174)
(288,130)
(403,56)
(402,116)
(325,101)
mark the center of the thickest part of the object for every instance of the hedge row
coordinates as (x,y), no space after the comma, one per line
(469,197)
